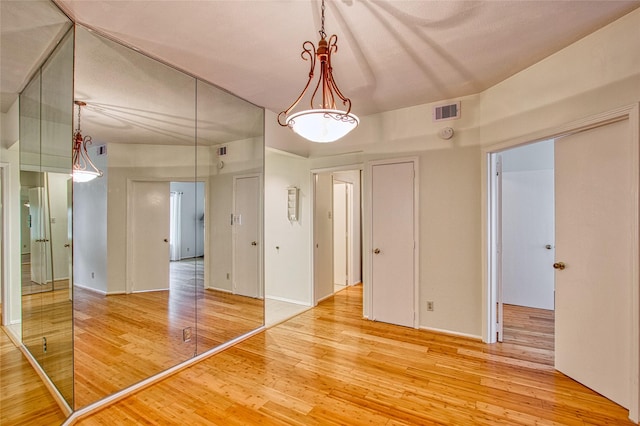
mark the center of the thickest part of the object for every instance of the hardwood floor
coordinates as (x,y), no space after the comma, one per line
(24,399)
(328,366)
(122,339)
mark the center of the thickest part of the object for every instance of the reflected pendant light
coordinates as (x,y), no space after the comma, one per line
(326,123)
(83,168)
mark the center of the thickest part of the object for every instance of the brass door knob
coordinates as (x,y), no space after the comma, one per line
(67,245)
(165,240)
(254,243)
(377,251)
(559,265)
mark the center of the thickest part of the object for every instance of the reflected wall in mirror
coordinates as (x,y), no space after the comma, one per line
(45,165)
(154,231)
(230,162)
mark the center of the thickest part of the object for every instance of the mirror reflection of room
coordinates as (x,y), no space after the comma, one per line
(157,277)
(140,268)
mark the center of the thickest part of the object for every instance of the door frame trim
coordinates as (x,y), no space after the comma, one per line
(128,273)
(628,112)
(312,185)
(368,232)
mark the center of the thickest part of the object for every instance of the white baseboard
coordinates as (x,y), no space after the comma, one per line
(284,299)
(223,290)
(451,333)
(85,287)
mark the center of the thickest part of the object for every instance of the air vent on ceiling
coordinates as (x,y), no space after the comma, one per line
(446,112)
(101,150)
(222,151)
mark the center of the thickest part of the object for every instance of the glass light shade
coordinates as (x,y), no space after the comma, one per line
(322,125)
(84,175)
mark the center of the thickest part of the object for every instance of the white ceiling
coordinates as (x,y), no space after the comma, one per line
(392,53)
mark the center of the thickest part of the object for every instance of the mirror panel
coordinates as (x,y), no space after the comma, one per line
(45,164)
(230,163)
(134,312)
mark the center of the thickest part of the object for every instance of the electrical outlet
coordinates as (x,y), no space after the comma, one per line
(44,345)
(186,334)
(429,306)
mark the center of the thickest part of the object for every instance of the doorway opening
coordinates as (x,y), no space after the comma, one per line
(527,286)
(595,254)
(337,231)
(186,233)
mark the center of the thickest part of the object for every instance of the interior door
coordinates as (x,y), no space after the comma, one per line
(392,211)
(38,232)
(322,237)
(150,236)
(246,252)
(594,217)
(340,233)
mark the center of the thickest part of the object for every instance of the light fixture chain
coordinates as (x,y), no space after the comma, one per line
(322,33)
(79,108)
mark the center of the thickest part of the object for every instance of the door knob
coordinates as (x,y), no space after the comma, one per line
(67,245)
(254,243)
(548,246)
(165,240)
(377,251)
(559,265)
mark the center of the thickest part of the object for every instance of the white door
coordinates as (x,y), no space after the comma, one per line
(246,248)
(392,216)
(38,233)
(594,219)
(322,237)
(149,237)
(340,233)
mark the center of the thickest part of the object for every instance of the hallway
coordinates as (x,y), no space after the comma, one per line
(330,366)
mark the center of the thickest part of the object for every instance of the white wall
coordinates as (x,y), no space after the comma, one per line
(598,73)
(59,218)
(11,240)
(221,232)
(287,269)
(12,309)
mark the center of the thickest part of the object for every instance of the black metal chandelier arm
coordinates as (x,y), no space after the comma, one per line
(308,53)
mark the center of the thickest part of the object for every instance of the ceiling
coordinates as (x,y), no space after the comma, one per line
(392,54)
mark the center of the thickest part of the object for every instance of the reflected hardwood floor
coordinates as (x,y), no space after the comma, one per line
(24,399)
(49,314)
(328,366)
(122,339)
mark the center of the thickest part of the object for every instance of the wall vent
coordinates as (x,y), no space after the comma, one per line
(446,112)
(101,150)
(222,151)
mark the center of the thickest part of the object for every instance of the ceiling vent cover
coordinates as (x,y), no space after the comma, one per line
(446,112)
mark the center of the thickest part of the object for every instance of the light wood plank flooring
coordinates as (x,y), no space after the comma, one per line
(122,339)
(328,366)
(24,399)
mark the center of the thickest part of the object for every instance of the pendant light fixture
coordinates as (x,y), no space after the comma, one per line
(326,123)
(83,168)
